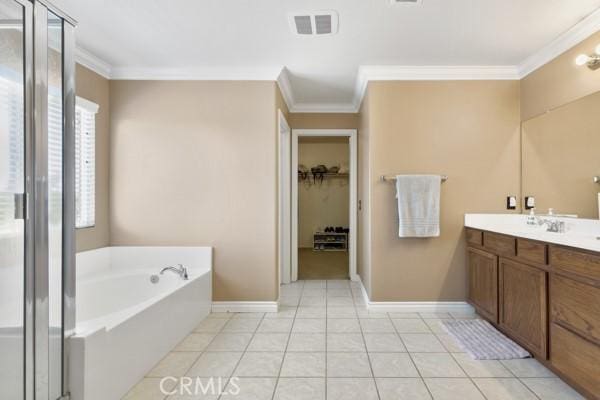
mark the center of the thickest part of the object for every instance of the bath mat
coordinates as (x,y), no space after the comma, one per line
(482,341)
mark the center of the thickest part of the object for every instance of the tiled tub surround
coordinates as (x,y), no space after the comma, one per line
(324,344)
(125,323)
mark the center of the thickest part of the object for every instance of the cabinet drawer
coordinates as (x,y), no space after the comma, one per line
(577,262)
(529,250)
(576,358)
(474,237)
(499,244)
(575,305)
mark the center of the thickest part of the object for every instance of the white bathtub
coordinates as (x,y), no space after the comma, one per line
(125,323)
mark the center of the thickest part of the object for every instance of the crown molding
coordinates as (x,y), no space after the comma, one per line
(436,73)
(89,60)
(268,73)
(283,81)
(341,108)
(578,33)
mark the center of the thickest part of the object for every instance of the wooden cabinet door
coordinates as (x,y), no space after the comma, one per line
(523,305)
(483,282)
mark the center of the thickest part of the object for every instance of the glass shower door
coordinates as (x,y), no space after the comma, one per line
(12,195)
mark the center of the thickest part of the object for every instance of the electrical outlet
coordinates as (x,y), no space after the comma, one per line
(511,203)
(529,202)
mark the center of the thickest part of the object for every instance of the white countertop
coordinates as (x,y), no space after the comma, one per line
(580,233)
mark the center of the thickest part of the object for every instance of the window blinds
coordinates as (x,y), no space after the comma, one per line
(85,163)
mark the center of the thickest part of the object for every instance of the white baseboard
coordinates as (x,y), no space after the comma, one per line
(245,306)
(415,306)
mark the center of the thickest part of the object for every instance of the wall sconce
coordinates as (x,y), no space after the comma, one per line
(592,61)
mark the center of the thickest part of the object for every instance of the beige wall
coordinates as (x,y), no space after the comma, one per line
(559,82)
(323,121)
(326,203)
(468,130)
(560,157)
(194,163)
(94,87)
(363,264)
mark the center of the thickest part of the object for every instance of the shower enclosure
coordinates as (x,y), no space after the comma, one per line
(37,288)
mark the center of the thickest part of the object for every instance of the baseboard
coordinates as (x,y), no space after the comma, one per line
(415,306)
(245,306)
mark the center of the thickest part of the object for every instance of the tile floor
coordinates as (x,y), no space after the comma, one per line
(324,344)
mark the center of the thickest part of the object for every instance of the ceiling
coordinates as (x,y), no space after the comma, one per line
(252,39)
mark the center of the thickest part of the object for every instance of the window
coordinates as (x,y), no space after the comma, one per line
(85,163)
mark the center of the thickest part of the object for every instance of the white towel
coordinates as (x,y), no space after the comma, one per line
(418,205)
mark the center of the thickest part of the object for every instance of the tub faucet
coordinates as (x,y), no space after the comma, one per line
(179,270)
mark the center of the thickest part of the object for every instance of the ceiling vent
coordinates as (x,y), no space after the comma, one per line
(319,23)
(407,2)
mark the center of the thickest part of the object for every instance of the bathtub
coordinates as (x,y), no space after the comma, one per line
(126,323)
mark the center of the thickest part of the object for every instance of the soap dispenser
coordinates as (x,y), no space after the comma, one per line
(531,217)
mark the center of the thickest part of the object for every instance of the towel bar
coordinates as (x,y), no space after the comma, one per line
(385,178)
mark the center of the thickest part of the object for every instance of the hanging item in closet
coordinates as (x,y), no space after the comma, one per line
(318,172)
(302,172)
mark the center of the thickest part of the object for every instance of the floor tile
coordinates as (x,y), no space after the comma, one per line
(453,389)
(481,368)
(527,368)
(422,343)
(315,284)
(449,343)
(404,315)
(300,389)
(220,315)
(504,389)
(268,342)
(308,292)
(212,364)
(311,312)
(340,301)
(343,325)
(341,312)
(248,315)
(393,365)
(277,325)
(345,342)
(309,325)
(551,389)
(230,342)
(463,314)
(364,313)
(339,293)
(250,388)
(313,301)
(375,325)
(211,325)
(195,342)
(383,342)
(306,342)
(435,325)
(402,389)
(437,365)
(174,364)
(303,365)
(337,284)
(149,389)
(410,326)
(348,365)
(241,325)
(435,315)
(289,300)
(260,364)
(283,312)
(351,389)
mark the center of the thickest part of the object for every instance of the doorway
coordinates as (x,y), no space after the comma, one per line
(323,204)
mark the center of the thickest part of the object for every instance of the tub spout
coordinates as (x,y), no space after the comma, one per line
(179,270)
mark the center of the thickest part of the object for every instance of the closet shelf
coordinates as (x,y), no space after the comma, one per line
(328,175)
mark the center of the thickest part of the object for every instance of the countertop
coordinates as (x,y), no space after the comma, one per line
(580,233)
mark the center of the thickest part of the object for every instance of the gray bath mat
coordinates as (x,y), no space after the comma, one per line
(482,341)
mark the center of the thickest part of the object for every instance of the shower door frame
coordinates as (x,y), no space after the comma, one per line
(36,261)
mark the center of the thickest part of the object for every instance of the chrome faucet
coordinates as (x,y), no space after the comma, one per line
(553,225)
(179,270)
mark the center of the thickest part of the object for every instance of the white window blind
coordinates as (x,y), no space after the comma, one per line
(85,163)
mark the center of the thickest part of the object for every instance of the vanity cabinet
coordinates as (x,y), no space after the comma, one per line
(483,282)
(545,297)
(523,306)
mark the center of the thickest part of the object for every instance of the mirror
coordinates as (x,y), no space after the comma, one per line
(561,157)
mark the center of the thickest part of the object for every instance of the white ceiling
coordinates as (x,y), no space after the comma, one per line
(252,39)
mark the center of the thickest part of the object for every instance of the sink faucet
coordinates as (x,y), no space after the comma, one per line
(179,270)
(553,225)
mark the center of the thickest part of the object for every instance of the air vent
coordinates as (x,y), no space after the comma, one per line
(407,2)
(320,23)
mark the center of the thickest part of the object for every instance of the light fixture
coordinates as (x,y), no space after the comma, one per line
(592,61)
